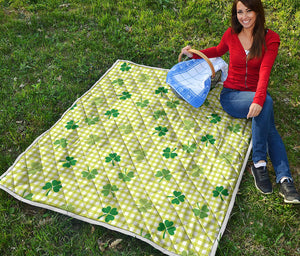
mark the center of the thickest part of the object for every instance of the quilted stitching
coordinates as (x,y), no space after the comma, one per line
(130,154)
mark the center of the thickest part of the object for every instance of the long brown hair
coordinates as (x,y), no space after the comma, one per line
(259,27)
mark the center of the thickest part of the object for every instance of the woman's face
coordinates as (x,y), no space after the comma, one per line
(245,16)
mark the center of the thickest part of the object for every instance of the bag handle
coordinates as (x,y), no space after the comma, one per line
(204,57)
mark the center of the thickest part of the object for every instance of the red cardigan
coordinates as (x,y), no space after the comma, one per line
(252,75)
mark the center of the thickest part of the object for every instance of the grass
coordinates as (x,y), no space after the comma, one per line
(53,51)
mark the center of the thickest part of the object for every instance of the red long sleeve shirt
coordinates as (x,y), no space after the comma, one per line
(246,75)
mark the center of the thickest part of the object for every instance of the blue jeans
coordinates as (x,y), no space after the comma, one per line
(265,137)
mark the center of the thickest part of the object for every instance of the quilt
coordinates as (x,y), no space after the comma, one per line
(132,157)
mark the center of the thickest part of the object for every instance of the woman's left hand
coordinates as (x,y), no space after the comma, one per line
(254,110)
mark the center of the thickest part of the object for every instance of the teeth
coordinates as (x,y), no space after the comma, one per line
(246,21)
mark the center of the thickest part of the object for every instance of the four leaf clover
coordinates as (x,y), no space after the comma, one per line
(201,212)
(177,198)
(161,90)
(55,185)
(61,143)
(168,153)
(173,103)
(109,189)
(125,67)
(113,157)
(234,128)
(113,112)
(109,213)
(70,161)
(125,95)
(167,226)
(208,138)
(89,174)
(214,118)
(161,131)
(118,81)
(126,176)
(220,191)
(165,174)
(189,148)
(72,125)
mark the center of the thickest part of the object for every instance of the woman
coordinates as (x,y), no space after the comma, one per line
(253,50)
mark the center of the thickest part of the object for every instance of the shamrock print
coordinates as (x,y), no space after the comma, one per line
(167,226)
(188,253)
(142,103)
(208,138)
(220,191)
(55,185)
(173,103)
(188,125)
(145,205)
(125,67)
(168,153)
(107,189)
(97,101)
(234,128)
(214,118)
(140,154)
(201,212)
(126,128)
(147,235)
(177,198)
(159,113)
(227,157)
(28,196)
(144,78)
(70,161)
(161,90)
(125,95)
(113,112)
(109,213)
(35,167)
(161,131)
(126,176)
(91,121)
(197,170)
(93,139)
(113,157)
(164,174)
(72,125)
(89,174)
(61,143)
(118,81)
(189,148)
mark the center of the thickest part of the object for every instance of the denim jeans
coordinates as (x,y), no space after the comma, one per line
(265,137)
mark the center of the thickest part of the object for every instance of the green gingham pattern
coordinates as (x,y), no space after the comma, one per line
(130,156)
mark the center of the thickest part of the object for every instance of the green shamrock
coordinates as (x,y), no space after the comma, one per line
(201,212)
(126,176)
(144,78)
(227,157)
(125,67)
(140,154)
(113,112)
(126,128)
(147,235)
(208,138)
(206,103)
(91,121)
(234,128)
(93,139)
(145,205)
(35,167)
(107,189)
(114,157)
(188,125)
(161,131)
(68,162)
(68,207)
(161,90)
(118,81)
(214,118)
(173,103)
(28,196)
(188,253)
(89,174)
(159,113)
(54,185)
(125,95)
(189,148)
(109,213)
(61,143)
(167,226)
(177,198)
(168,153)
(72,125)
(197,170)
(142,103)
(220,191)
(165,174)
(97,101)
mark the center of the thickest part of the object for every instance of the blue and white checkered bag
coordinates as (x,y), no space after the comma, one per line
(191,80)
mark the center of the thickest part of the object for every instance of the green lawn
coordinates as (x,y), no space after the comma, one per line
(52,51)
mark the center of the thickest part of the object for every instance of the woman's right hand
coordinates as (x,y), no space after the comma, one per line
(184,50)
